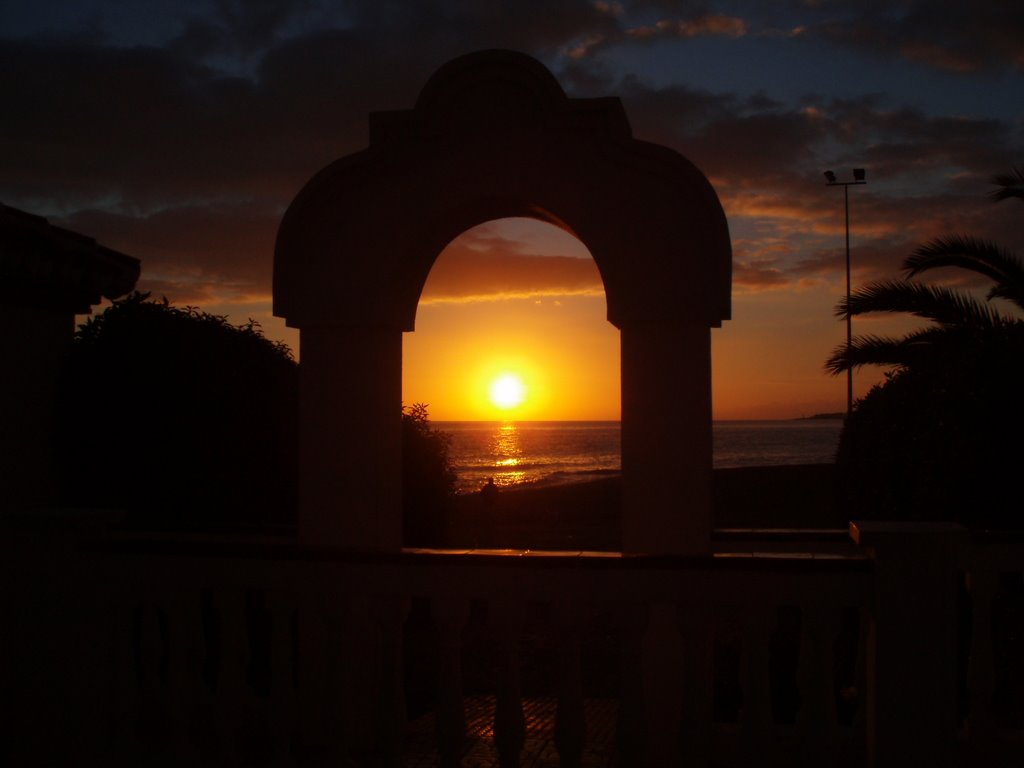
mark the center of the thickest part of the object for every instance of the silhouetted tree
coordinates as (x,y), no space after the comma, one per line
(428,481)
(934,440)
(1009,185)
(178,416)
(960,320)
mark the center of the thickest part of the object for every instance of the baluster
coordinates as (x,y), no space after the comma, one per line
(698,684)
(450,615)
(184,676)
(390,614)
(149,657)
(229,601)
(820,626)
(122,683)
(663,684)
(631,730)
(570,718)
(981,729)
(321,717)
(912,656)
(360,663)
(859,729)
(312,710)
(282,691)
(86,737)
(756,712)
(507,617)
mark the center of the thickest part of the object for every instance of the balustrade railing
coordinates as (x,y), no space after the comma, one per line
(238,652)
(992,722)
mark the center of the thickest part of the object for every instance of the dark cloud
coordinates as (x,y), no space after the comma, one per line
(756,140)
(257,23)
(155,126)
(476,267)
(140,126)
(949,35)
(766,159)
(886,229)
(239,28)
(192,253)
(173,155)
(700,25)
(758,274)
(186,155)
(542,27)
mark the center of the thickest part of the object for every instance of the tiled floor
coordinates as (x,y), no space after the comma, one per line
(539,750)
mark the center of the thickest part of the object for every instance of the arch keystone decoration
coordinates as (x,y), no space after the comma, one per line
(493,135)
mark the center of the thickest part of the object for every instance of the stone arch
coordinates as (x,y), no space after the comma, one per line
(494,135)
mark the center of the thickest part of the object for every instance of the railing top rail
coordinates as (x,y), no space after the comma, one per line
(288,550)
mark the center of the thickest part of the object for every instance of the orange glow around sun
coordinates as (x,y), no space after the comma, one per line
(507,345)
(506,386)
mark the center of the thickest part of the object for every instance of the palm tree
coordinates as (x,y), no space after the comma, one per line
(931,442)
(1009,185)
(959,317)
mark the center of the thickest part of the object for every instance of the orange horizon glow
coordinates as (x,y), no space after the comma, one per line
(565,352)
(514,318)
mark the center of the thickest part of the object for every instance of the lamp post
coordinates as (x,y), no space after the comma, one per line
(830,181)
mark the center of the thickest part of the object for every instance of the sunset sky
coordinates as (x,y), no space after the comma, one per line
(178,132)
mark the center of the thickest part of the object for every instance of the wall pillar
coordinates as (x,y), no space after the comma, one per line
(38,341)
(350,437)
(912,641)
(666,439)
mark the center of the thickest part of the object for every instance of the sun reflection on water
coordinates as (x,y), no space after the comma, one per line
(507,454)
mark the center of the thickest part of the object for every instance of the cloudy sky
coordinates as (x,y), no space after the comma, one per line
(178,132)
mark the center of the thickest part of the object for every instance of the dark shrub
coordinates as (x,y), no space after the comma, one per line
(177,416)
(941,440)
(181,418)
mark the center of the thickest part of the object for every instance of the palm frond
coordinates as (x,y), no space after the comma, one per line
(1010,185)
(982,256)
(866,350)
(888,351)
(941,305)
(986,258)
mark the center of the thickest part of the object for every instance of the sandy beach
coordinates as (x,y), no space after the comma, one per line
(585,516)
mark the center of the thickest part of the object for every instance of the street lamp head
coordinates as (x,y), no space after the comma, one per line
(858,174)
(830,177)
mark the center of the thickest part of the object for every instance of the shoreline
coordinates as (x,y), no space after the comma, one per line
(586,515)
(546,454)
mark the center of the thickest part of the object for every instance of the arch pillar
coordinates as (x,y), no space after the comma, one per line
(350,437)
(666,438)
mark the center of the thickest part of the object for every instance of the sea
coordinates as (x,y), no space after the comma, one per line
(543,453)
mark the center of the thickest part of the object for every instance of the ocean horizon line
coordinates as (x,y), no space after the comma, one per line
(527,452)
(814,417)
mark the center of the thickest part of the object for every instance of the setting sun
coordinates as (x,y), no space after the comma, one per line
(507,391)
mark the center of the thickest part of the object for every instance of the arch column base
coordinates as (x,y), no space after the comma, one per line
(350,438)
(666,440)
